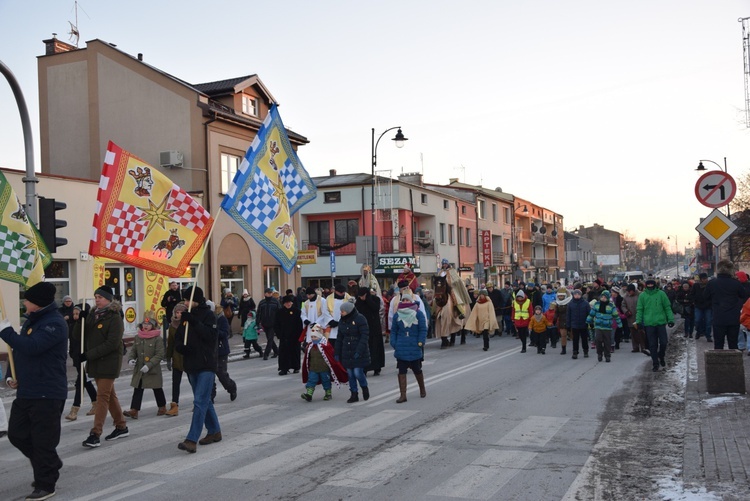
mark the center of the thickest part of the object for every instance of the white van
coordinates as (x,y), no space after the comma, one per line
(634,276)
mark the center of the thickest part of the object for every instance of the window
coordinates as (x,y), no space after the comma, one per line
(232,278)
(494,212)
(445,205)
(424,198)
(229,165)
(331,197)
(506,211)
(442,233)
(450,234)
(506,245)
(58,274)
(346,230)
(468,237)
(480,209)
(272,277)
(250,106)
(319,232)
(463,210)
(460,236)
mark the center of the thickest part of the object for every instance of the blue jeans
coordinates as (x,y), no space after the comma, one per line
(313,378)
(742,339)
(203,409)
(703,322)
(657,342)
(356,374)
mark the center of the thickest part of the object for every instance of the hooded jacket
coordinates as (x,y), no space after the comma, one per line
(726,295)
(352,346)
(578,312)
(654,308)
(102,341)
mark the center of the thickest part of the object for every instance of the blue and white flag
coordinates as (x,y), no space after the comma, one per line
(270,186)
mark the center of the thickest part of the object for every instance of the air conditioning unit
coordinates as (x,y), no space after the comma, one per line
(171,159)
(422,234)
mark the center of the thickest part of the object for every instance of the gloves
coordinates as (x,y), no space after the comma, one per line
(670,324)
(333,323)
(131,362)
(635,325)
(307,322)
(187,316)
(82,313)
(144,369)
(169,364)
(82,357)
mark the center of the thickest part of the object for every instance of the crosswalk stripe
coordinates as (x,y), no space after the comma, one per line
(384,465)
(534,431)
(372,424)
(485,475)
(446,429)
(289,461)
(108,490)
(319,415)
(134,444)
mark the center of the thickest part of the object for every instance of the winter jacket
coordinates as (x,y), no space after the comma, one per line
(726,295)
(654,309)
(539,325)
(405,340)
(147,351)
(352,345)
(169,301)
(602,320)
(630,307)
(522,313)
(246,305)
(102,341)
(176,356)
(222,325)
(288,325)
(745,314)
(548,298)
(699,296)
(250,329)
(578,312)
(40,354)
(201,351)
(267,308)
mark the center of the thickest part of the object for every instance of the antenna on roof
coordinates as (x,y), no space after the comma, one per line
(74,33)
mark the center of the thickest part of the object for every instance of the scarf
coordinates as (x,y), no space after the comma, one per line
(149,334)
(407,313)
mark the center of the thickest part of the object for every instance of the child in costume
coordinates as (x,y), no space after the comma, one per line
(320,366)
(250,335)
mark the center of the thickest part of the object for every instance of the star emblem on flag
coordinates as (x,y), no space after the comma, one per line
(157,214)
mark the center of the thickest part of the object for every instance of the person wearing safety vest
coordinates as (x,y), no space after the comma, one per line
(521,316)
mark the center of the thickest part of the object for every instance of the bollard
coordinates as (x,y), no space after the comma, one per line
(725,372)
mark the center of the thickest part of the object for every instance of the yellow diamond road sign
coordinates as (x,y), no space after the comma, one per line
(716,227)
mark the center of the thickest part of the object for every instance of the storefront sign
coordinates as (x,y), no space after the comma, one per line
(486,236)
(307,256)
(394,264)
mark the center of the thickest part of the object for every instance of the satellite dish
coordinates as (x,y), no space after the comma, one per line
(534,228)
(554,233)
(543,230)
(526,263)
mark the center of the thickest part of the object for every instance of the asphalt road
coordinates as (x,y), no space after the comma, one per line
(495,425)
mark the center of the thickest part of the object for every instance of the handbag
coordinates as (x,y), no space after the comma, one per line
(228,313)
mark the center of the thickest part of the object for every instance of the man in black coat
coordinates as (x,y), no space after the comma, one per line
(369,306)
(726,295)
(266,318)
(288,328)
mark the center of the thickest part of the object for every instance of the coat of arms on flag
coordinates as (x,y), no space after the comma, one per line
(270,186)
(23,253)
(144,219)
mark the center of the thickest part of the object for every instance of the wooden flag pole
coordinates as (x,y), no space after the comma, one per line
(11,362)
(198,270)
(83,331)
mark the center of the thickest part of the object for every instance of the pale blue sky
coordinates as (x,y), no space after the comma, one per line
(599,110)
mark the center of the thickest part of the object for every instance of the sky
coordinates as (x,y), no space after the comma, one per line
(599,111)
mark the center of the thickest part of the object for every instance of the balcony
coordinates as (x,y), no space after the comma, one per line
(424,246)
(500,258)
(325,248)
(544,262)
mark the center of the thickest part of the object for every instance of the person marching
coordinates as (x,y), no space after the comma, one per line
(314,312)
(74,350)
(222,366)
(577,314)
(601,319)
(266,317)
(561,312)
(333,307)
(247,304)
(538,324)
(408,335)
(145,358)
(319,366)
(482,319)
(371,306)
(174,359)
(353,350)
(521,316)
(288,328)
(250,335)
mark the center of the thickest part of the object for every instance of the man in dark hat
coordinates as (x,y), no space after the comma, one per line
(103,329)
(200,358)
(266,318)
(41,384)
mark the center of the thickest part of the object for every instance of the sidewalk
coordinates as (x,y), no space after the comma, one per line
(716,450)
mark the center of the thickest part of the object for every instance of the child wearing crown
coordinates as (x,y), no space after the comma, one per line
(319,366)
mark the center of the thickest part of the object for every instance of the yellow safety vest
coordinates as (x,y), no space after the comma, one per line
(523,312)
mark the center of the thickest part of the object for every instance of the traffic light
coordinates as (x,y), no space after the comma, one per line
(48,224)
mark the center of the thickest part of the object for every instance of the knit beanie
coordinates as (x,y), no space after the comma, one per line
(150,318)
(347,307)
(105,291)
(198,297)
(41,294)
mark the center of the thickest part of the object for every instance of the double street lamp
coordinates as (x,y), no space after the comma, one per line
(399,139)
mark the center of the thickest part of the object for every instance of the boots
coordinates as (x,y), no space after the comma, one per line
(308,394)
(365,393)
(132,413)
(563,350)
(443,343)
(174,409)
(328,395)
(73,413)
(453,339)
(353,398)
(161,411)
(92,411)
(463,337)
(420,382)
(402,388)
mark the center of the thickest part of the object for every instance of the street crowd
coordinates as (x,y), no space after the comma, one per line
(329,336)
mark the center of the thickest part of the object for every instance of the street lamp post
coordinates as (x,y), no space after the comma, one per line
(676,254)
(702,168)
(399,139)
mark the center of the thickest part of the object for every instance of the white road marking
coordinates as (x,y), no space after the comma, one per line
(383,466)
(446,429)
(485,475)
(534,431)
(287,462)
(109,490)
(372,424)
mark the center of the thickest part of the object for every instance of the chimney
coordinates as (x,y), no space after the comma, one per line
(55,46)
(452,180)
(140,56)
(412,178)
(332,172)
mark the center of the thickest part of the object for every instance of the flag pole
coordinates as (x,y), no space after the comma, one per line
(11,362)
(83,331)
(198,270)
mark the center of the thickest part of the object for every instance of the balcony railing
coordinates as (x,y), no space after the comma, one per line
(500,258)
(424,246)
(325,248)
(400,245)
(543,262)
